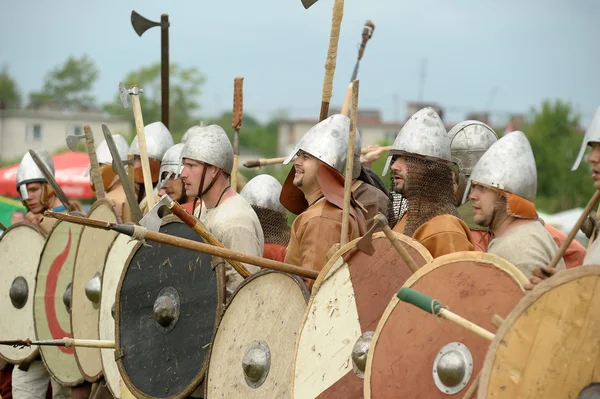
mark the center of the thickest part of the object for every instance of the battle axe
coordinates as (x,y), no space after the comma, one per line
(95,174)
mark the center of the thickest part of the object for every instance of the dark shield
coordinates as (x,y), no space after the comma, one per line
(168,302)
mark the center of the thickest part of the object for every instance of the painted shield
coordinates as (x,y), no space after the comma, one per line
(52,295)
(20,248)
(168,302)
(348,298)
(251,355)
(414,354)
(113,267)
(549,345)
(87,287)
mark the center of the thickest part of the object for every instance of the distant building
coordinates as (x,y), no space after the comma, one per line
(23,129)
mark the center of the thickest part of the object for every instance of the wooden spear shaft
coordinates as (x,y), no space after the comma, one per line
(334,37)
(66,342)
(257,163)
(236,124)
(349,167)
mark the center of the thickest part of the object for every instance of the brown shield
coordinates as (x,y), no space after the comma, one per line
(252,350)
(51,316)
(347,301)
(87,284)
(118,254)
(20,249)
(415,354)
(549,345)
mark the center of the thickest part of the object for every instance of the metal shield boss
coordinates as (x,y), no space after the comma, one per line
(167,303)
(347,301)
(548,346)
(52,301)
(20,249)
(87,287)
(415,354)
(252,352)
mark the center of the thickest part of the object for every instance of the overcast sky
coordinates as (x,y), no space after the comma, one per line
(503,55)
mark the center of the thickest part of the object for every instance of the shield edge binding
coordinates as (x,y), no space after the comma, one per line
(330,263)
(43,234)
(491,259)
(197,381)
(246,281)
(95,205)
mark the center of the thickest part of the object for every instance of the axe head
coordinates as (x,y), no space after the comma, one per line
(123,93)
(73,140)
(152,221)
(365,244)
(308,3)
(141,24)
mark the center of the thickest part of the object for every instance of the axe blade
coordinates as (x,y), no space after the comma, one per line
(141,24)
(73,140)
(152,221)
(123,94)
(308,3)
(365,244)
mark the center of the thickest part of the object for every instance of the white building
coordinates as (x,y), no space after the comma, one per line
(22,129)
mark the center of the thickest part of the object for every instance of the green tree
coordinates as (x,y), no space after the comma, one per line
(184,90)
(10,96)
(69,85)
(555,138)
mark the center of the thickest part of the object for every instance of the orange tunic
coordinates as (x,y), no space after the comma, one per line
(314,232)
(441,235)
(574,253)
(117,195)
(274,252)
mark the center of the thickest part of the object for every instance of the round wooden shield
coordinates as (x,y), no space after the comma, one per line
(51,315)
(20,249)
(87,287)
(113,267)
(347,301)
(168,302)
(251,355)
(549,345)
(415,354)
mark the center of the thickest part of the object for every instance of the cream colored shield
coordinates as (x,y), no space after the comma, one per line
(87,287)
(20,249)
(549,345)
(52,318)
(115,261)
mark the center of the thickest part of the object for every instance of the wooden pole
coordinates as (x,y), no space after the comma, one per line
(334,37)
(257,163)
(349,168)
(141,135)
(236,124)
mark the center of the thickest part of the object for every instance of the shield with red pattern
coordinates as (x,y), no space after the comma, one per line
(348,298)
(415,354)
(52,301)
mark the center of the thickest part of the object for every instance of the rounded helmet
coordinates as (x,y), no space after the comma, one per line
(192,131)
(171,163)
(210,146)
(263,191)
(592,135)
(28,171)
(158,141)
(469,140)
(103,153)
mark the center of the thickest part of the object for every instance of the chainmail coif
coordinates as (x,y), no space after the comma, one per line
(429,192)
(274,224)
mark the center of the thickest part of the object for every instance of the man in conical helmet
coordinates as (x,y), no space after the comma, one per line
(314,190)
(170,180)
(158,141)
(262,193)
(420,163)
(502,189)
(207,160)
(112,185)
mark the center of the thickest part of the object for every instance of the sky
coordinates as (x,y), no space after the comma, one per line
(505,56)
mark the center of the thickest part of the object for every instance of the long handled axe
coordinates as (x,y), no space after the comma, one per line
(236,124)
(119,169)
(334,37)
(95,174)
(50,179)
(134,92)
(152,222)
(141,233)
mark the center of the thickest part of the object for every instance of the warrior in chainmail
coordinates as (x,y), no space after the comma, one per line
(420,163)
(262,193)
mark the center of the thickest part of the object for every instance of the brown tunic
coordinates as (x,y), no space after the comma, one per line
(371,198)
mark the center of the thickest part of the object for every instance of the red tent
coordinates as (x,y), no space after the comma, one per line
(70,176)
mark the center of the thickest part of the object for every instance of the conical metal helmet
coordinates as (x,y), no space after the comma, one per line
(423,135)
(158,141)
(328,142)
(103,153)
(469,140)
(192,131)
(592,135)
(171,163)
(210,146)
(508,165)
(263,191)
(28,172)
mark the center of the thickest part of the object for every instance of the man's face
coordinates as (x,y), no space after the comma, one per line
(192,174)
(173,188)
(17,217)
(399,174)
(483,200)
(306,167)
(34,203)
(594,160)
